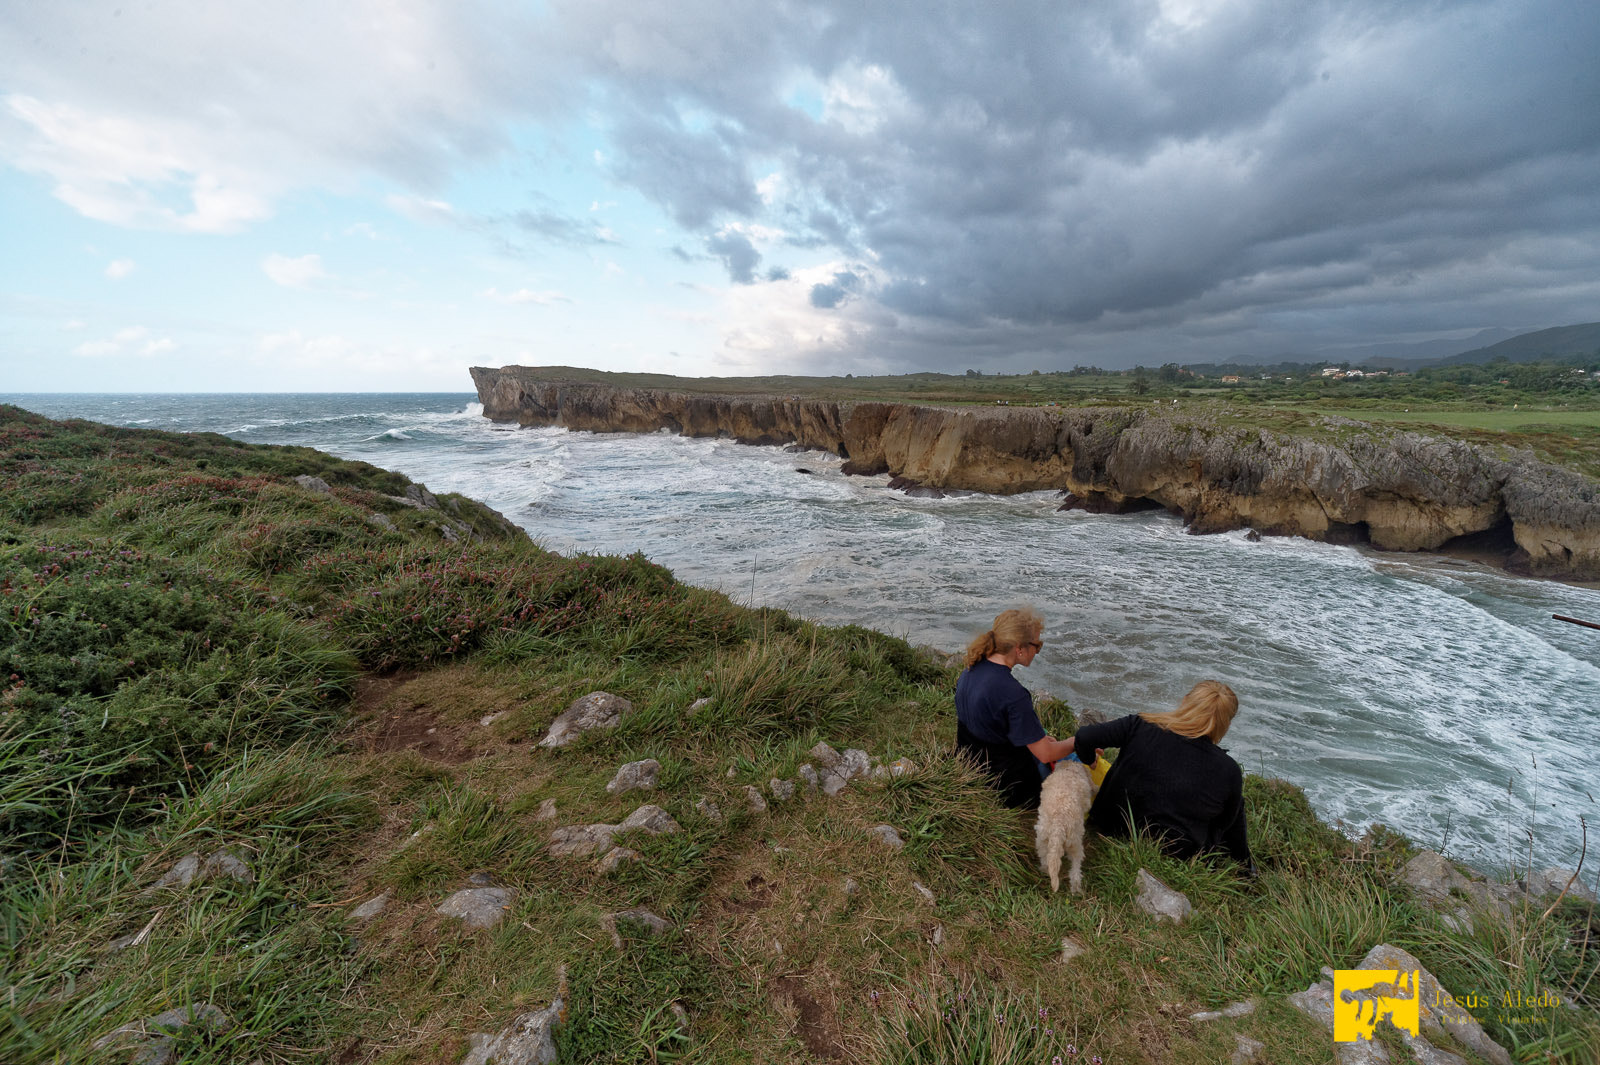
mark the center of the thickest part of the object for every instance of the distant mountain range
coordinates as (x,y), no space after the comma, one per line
(1486,345)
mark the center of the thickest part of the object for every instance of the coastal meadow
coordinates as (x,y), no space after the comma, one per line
(344,684)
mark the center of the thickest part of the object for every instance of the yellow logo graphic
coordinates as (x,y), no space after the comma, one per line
(1363,997)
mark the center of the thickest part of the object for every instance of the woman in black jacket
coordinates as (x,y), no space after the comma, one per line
(1170,778)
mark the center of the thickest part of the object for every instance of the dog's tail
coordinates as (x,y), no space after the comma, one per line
(1052,843)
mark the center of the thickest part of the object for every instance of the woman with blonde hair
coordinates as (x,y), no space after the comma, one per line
(1170,777)
(996,725)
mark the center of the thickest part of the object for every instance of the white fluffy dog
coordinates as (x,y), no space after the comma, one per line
(1063,804)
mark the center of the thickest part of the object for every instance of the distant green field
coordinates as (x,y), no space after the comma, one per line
(1500,420)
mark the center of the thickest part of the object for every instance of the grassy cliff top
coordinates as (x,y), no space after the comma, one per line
(342,682)
(1546,410)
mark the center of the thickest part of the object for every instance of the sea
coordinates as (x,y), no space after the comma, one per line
(1435,695)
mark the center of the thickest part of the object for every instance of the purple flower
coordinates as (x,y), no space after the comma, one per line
(1095,1060)
(1072,1051)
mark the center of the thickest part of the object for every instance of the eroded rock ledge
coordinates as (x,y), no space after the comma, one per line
(1353,482)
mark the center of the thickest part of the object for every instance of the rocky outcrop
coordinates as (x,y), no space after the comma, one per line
(1342,481)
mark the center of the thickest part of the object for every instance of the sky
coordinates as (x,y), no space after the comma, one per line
(374,196)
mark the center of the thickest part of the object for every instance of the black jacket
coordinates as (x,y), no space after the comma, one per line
(1188,791)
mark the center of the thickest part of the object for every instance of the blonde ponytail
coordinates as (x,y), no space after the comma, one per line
(1012,628)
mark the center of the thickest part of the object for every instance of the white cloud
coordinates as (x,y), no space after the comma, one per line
(72,326)
(419,209)
(129,340)
(129,172)
(118,269)
(527,295)
(294,272)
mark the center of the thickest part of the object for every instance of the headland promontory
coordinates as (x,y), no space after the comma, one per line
(1333,479)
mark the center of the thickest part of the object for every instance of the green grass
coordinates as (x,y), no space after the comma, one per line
(215,658)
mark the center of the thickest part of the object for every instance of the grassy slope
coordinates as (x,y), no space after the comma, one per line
(206,655)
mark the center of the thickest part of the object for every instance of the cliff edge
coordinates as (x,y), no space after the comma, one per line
(1346,482)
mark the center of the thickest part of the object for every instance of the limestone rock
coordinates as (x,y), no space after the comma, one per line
(1071,948)
(1439,1007)
(847,767)
(886,835)
(381,521)
(488,719)
(782,790)
(597,710)
(651,924)
(616,856)
(1090,716)
(700,703)
(825,756)
(850,887)
(753,799)
(652,819)
(1432,876)
(479,907)
(635,776)
(579,841)
(527,1040)
(709,810)
(1160,901)
(154,1039)
(1247,1051)
(546,811)
(373,907)
(808,774)
(1235,1009)
(313,484)
(925,892)
(1547,884)
(192,869)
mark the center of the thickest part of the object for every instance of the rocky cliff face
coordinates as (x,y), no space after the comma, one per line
(1396,490)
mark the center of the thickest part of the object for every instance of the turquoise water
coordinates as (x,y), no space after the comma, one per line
(1435,695)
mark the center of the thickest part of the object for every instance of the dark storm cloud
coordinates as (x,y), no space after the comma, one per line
(828,295)
(1049,175)
(738,255)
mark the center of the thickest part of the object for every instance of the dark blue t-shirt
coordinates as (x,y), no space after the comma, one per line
(995,708)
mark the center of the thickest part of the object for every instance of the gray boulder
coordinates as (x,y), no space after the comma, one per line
(528,1040)
(808,775)
(848,766)
(782,790)
(1440,1011)
(313,484)
(635,776)
(597,710)
(1246,1051)
(753,800)
(616,856)
(886,835)
(192,869)
(153,1040)
(580,841)
(643,918)
(1160,901)
(709,810)
(373,907)
(652,819)
(1235,1009)
(1548,883)
(1432,876)
(481,907)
